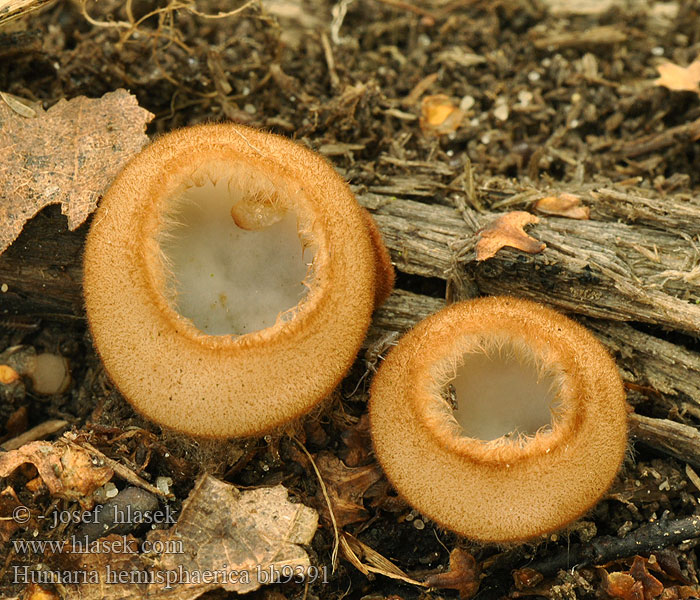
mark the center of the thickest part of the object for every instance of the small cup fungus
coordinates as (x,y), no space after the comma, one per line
(538,432)
(230,277)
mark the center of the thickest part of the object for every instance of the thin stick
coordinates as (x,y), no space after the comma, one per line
(122,471)
(336,543)
(39,432)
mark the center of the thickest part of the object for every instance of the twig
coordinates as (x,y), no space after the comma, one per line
(124,472)
(678,135)
(336,534)
(39,432)
(330,61)
(675,439)
(645,540)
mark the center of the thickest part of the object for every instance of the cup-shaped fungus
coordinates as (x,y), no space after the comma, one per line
(230,277)
(499,419)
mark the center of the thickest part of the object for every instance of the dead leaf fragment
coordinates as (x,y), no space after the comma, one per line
(622,585)
(651,586)
(66,155)
(223,539)
(359,443)
(635,584)
(507,230)
(419,89)
(439,115)
(367,560)
(346,487)
(66,470)
(680,79)
(223,529)
(463,575)
(563,205)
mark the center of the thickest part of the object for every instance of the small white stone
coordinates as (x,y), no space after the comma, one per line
(524,97)
(418,524)
(657,51)
(533,76)
(110,490)
(4,287)
(250,109)
(466,103)
(501,112)
(163,484)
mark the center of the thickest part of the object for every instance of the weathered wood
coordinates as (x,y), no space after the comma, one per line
(680,213)
(590,269)
(628,272)
(599,269)
(42,269)
(676,439)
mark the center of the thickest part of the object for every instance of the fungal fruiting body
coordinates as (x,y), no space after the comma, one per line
(230,277)
(499,419)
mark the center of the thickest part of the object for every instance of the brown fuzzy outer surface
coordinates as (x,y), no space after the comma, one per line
(505,491)
(226,386)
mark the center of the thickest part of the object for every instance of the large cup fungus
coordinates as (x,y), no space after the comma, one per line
(230,277)
(539,428)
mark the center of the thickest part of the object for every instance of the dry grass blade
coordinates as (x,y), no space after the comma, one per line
(354,550)
(16,9)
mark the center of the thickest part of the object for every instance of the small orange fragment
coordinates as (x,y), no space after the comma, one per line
(677,78)
(8,374)
(439,115)
(563,205)
(507,230)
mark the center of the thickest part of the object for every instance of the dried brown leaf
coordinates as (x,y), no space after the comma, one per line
(635,584)
(507,230)
(667,564)
(68,154)
(563,205)
(223,538)
(355,552)
(623,586)
(66,470)
(224,529)
(463,575)
(346,487)
(681,79)
(358,442)
(651,586)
